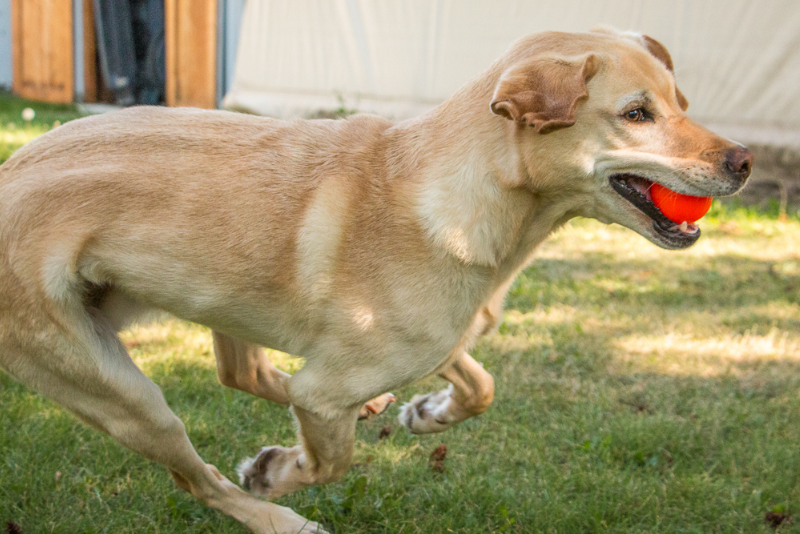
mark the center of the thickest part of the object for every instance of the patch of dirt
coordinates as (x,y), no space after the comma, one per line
(385,432)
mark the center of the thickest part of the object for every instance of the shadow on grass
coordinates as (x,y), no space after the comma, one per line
(728,281)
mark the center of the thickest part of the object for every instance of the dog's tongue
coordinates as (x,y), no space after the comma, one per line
(677,207)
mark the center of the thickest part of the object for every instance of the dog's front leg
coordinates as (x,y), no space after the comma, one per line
(470,393)
(323,456)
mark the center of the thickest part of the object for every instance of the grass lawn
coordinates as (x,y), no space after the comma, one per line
(638,390)
(15,131)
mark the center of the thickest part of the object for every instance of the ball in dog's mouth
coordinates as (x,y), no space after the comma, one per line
(638,191)
(678,207)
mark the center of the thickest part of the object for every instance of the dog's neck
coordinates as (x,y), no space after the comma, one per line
(476,203)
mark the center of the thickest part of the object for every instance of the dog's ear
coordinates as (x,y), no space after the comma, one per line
(659,51)
(544,92)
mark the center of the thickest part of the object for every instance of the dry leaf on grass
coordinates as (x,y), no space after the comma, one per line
(775,519)
(437,459)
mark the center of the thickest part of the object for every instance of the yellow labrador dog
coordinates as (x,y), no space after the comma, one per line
(377,251)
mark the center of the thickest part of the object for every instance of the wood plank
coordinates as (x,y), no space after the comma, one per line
(191,52)
(16,44)
(90,81)
(43,49)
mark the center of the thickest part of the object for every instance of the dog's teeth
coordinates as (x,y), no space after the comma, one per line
(684,226)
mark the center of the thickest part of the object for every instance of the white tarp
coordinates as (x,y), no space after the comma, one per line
(737,61)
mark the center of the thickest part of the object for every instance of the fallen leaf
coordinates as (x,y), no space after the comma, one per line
(775,519)
(437,459)
(439,453)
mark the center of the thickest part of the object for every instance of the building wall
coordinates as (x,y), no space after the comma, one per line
(6,67)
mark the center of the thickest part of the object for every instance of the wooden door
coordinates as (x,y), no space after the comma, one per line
(191,46)
(43,62)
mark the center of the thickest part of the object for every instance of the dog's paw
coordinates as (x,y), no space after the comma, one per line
(275,471)
(255,474)
(426,414)
(376,406)
(269,518)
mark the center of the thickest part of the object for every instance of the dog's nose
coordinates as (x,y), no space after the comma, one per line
(739,162)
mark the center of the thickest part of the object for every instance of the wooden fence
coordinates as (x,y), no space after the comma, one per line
(43,51)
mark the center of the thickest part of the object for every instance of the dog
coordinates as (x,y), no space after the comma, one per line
(379,252)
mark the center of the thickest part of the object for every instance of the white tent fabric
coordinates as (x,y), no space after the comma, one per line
(737,61)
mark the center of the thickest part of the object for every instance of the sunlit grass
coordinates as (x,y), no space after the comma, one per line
(15,131)
(169,340)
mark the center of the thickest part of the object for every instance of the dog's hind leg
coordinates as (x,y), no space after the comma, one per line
(470,393)
(81,364)
(245,366)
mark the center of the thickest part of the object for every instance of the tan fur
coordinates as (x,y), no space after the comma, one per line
(378,252)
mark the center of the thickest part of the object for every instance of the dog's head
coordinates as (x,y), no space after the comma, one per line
(597,119)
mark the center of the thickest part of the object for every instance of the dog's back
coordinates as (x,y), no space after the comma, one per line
(109,186)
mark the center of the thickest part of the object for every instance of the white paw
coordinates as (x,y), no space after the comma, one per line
(275,471)
(254,475)
(426,414)
(273,519)
(307,527)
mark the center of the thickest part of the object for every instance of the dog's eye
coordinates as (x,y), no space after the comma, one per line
(636,115)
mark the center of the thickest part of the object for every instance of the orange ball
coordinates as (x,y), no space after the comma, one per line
(677,207)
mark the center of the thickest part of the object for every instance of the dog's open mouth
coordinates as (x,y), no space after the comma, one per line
(636,190)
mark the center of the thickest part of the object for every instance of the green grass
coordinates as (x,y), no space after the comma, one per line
(15,131)
(638,390)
